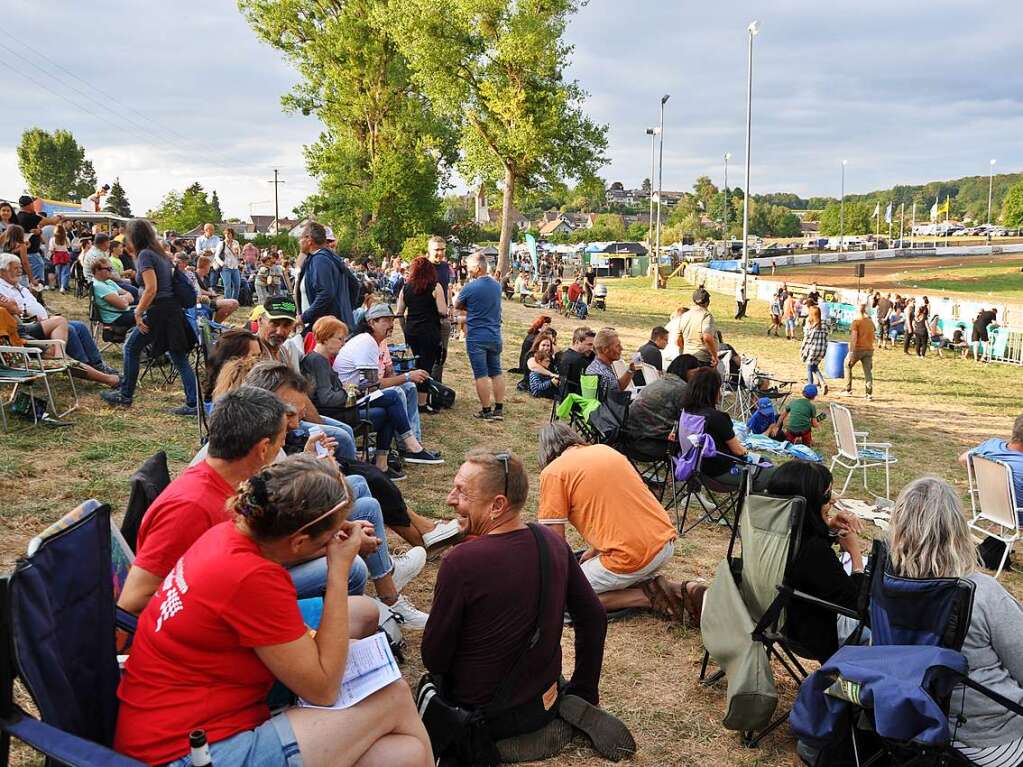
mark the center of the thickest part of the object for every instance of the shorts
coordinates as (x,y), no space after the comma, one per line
(272,744)
(33,330)
(602,579)
(790,323)
(484,357)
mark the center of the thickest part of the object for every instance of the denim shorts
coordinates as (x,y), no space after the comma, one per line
(484,357)
(272,744)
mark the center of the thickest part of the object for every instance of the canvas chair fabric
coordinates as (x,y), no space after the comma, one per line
(727,629)
(62,632)
(765,528)
(690,456)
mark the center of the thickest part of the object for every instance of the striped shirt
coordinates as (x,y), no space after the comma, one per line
(1006,755)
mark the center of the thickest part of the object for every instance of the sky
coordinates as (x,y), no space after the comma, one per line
(162,94)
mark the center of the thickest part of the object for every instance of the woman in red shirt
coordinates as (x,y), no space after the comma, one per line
(225,625)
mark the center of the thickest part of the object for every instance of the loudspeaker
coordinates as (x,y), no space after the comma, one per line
(861,270)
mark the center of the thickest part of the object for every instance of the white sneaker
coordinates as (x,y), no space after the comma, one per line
(442,532)
(409,616)
(407,566)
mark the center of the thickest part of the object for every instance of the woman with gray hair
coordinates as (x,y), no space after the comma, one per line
(929,538)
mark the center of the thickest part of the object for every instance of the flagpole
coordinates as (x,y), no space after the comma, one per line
(877,229)
(902,224)
(889,217)
(912,228)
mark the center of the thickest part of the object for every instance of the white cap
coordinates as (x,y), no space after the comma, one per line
(330,233)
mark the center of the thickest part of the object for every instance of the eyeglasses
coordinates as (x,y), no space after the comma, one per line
(504,458)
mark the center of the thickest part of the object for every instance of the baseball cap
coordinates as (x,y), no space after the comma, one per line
(281,308)
(329,234)
(764,405)
(810,391)
(26,199)
(378,311)
(700,295)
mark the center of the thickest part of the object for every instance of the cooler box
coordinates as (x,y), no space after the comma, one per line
(834,359)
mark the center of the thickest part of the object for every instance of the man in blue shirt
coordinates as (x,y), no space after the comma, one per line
(481,298)
(1010,452)
(326,286)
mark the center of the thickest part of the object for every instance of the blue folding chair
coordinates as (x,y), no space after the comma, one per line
(57,622)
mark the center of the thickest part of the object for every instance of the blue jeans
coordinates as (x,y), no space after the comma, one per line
(130,376)
(38,266)
(232,279)
(124,284)
(484,358)
(272,744)
(81,345)
(412,407)
(341,432)
(814,370)
(310,578)
(63,275)
(389,415)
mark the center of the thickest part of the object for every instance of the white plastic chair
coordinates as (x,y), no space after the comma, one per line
(619,367)
(650,373)
(854,452)
(994,502)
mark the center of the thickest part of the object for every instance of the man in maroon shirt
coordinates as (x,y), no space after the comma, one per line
(484,612)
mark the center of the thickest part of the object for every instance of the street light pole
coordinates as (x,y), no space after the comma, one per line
(752,29)
(652,133)
(990,183)
(724,226)
(660,180)
(841,213)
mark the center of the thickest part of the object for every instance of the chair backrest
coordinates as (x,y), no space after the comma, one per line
(991,482)
(845,432)
(650,373)
(911,611)
(94,315)
(748,372)
(147,483)
(588,386)
(60,625)
(722,364)
(691,428)
(770,530)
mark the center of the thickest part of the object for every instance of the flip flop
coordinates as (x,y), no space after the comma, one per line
(692,593)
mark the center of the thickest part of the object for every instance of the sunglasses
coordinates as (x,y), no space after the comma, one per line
(504,458)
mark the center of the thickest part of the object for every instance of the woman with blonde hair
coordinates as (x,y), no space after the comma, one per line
(225,625)
(929,538)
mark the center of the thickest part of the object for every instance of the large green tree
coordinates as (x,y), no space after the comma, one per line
(117,200)
(859,218)
(182,211)
(54,165)
(1012,208)
(496,68)
(384,152)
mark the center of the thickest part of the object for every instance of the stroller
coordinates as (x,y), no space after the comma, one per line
(599,297)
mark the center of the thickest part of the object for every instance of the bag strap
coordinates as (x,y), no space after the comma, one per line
(507,685)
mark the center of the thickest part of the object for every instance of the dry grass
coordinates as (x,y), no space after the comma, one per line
(931,409)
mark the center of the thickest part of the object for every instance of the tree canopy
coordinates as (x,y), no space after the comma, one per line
(182,211)
(1012,208)
(54,165)
(117,200)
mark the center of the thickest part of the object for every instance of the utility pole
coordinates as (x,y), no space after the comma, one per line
(752,31)
(660,189)
(277,211)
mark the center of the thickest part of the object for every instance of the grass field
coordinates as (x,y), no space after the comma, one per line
(997,277)
(930,409)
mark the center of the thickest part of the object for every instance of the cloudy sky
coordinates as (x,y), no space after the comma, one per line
(165,93)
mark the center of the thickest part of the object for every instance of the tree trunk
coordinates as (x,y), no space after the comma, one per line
(504,246)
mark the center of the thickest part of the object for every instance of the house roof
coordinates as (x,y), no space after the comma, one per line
(552,226)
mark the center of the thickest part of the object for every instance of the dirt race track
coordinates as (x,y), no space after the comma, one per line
(959,275)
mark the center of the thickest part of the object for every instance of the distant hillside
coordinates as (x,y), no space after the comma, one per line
(969,196)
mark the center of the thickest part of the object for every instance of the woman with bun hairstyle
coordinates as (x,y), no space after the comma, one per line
(225,625)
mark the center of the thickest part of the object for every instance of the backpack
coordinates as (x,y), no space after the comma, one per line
(438,395)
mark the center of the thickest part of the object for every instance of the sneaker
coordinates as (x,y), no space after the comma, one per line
(105,368)
(609,735)
(498,414)
(409,616)
(869,397)
(423,456)
(184,410)
(843,393)
(395,475)
(394,461)
(407,566)
(115,398)
(442,532)
(484,415)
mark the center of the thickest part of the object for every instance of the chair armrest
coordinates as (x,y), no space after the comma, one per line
(862,434)
(885,445)
(824,604)
(61,346)
(125,620)
(27,351)
(1001,700)
(62,746)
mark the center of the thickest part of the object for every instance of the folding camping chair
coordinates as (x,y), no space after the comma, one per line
(57,622)
(915,624)
(58,365)
(754,384)
(22,366)
(993,499)
(717,500)
(855,453)
(744,613)
(151,478)
(105,335)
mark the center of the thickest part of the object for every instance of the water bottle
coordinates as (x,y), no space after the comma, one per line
(200,749)
(315,431)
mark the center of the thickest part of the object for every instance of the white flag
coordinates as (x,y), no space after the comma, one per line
(877,210)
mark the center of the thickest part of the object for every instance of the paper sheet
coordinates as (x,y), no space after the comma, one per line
(370,667)
(373,395)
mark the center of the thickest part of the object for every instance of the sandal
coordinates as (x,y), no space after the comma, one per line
(692,594)
(663,599)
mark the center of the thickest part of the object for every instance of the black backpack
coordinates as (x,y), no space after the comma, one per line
(438,395)
(183,290)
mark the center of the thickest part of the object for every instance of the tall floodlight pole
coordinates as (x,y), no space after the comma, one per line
(724,225)
(841,212)
(660,186)
(990,184)
(752,29)
(652,133)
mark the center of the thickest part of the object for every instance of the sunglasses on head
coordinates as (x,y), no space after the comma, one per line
(504,458)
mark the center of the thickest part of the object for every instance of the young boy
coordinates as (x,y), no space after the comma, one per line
(800,416)
(763,418)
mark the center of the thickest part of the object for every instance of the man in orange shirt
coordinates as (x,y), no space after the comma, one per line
(596,489)
(861,349)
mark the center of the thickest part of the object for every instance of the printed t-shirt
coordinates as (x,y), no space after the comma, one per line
(107,312)
(595,488)
(187,508)
(998,450)
(693,325)
(801,413)
(864,329)
(192,663)
(363,351)
(482,299)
